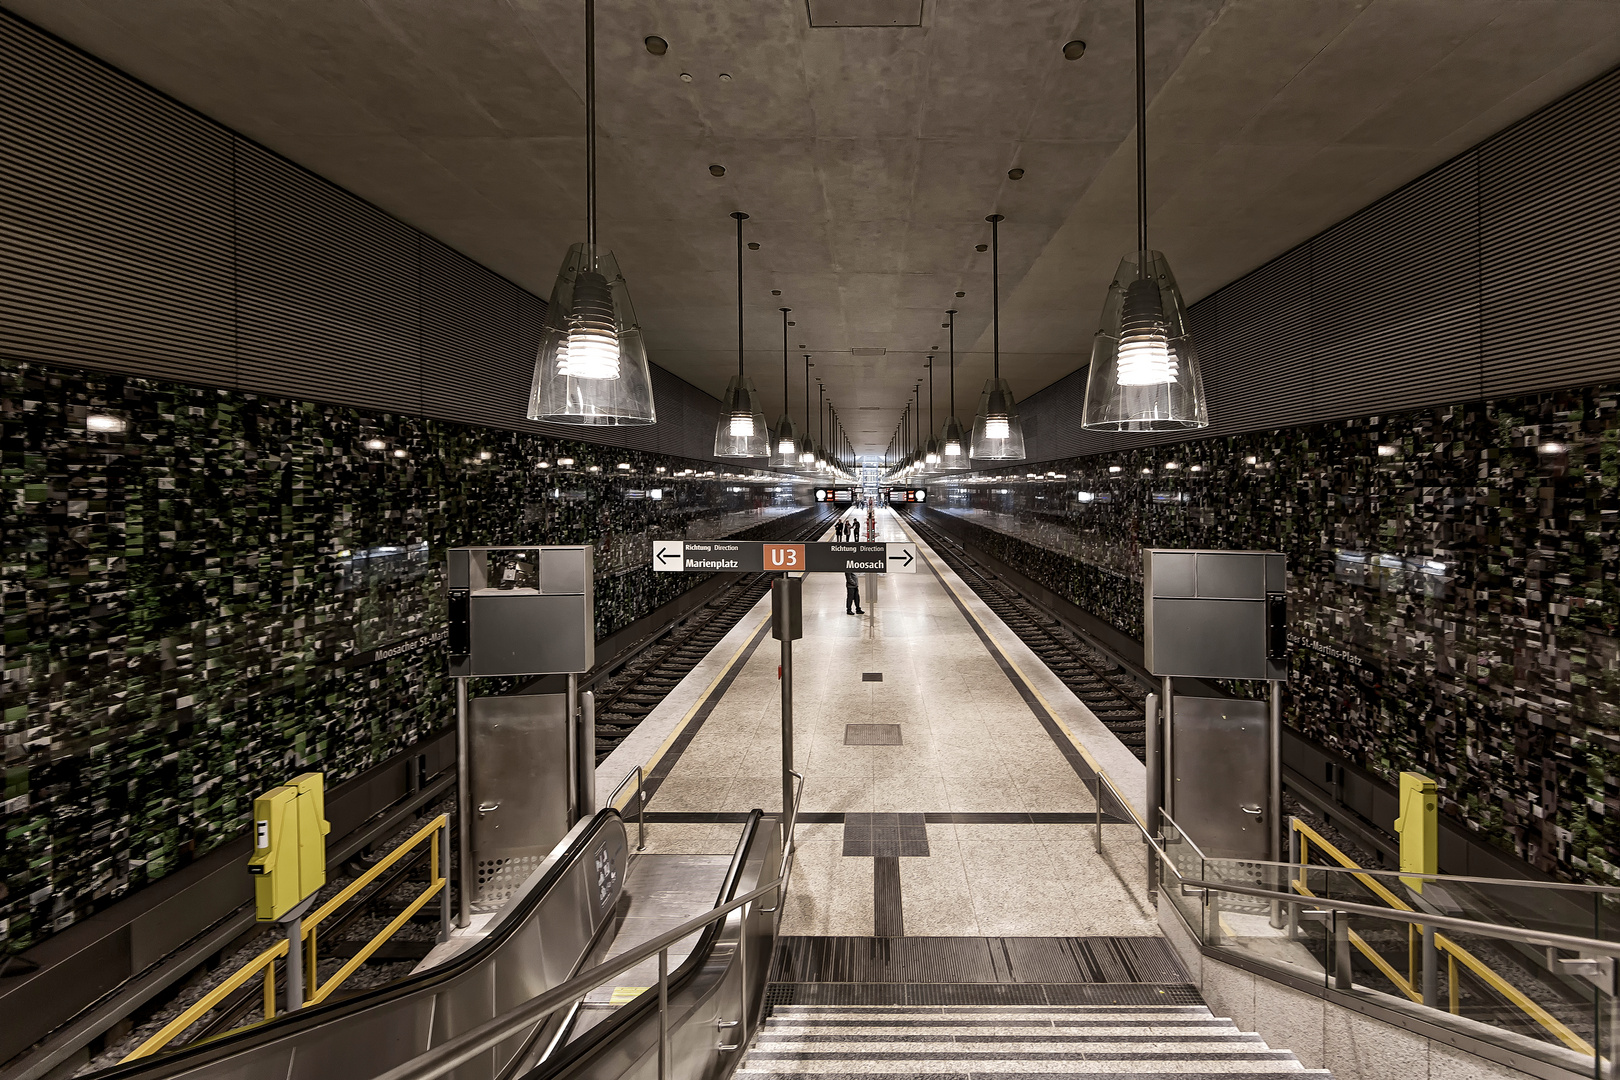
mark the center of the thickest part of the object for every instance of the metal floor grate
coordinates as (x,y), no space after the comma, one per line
(992,961)
(816,993)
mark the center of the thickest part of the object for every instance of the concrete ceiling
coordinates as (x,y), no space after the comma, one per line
(867,158)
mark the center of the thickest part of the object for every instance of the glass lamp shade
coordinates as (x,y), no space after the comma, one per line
(953,445)
(998,435)
(592,365)
(741,430)
(931,452)
(785,444)
(807,452)
(1144,373)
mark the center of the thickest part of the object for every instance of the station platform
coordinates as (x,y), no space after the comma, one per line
(942,762)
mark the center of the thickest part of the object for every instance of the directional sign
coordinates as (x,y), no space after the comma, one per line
(667,555)
(751,556)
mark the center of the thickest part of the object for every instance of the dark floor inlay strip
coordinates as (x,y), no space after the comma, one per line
(887,920)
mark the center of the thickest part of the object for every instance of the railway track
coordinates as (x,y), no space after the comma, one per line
(627,692)
(1110,691)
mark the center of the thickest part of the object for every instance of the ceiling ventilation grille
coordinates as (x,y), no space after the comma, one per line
(865,12)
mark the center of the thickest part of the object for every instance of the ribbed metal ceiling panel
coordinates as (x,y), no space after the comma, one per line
(1549,216)
(333,321)
(115,220)
(1394,301)
(1258,372)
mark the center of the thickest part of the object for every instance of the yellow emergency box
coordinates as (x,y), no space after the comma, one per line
(1419,827)
(289,845)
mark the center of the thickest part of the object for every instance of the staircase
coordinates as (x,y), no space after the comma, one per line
(958,1040)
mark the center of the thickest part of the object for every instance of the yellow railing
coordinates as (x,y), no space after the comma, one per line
(317,991)
(1455,953)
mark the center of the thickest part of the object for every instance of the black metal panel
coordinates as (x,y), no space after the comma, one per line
(1258,371)
(329,306)
(1549,219)
(115,219)
(475,366)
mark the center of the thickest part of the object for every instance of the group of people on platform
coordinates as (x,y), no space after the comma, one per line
(848,530)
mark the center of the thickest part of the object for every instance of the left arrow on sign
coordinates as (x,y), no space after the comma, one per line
(669,555)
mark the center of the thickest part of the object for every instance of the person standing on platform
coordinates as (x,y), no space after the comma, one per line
(852,594)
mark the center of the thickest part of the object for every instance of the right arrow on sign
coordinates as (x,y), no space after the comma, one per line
(902,558)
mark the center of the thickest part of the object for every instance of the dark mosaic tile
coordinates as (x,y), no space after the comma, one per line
(194,606)
(1454,590)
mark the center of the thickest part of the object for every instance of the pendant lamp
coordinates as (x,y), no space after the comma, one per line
(931,455)
(821,427)
(785,438)
(1144,373)
(592,363)
(953,442)
(807,449)
(997,433)
(741,432)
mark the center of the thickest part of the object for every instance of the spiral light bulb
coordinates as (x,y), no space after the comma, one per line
(592,348)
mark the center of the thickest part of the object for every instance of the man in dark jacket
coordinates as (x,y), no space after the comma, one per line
(852,594)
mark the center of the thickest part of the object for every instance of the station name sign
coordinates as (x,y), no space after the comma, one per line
(753,556)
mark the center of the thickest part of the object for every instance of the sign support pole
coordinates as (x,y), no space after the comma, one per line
(787,623)
(464,872)
(1274,789)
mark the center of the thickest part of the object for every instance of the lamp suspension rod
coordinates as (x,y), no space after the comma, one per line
(784,362)
(1141,127)
(930,397)
(741,217)
(995,289)
(590,131)
(807,395)
(952,314)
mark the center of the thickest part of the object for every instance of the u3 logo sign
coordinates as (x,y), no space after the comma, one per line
(784,556)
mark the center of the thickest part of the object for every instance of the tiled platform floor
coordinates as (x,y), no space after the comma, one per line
(969,743)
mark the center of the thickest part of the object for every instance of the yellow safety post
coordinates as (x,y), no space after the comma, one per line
(1419,828)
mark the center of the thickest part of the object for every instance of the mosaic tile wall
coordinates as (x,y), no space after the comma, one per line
(191,605)
(1453,592)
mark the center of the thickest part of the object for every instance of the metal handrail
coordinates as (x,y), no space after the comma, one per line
(1438,943)
(641,803)
(265,961)
(1544,938)
(462,1049)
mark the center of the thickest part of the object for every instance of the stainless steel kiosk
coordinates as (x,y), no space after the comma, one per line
(1216,762)
(526,762)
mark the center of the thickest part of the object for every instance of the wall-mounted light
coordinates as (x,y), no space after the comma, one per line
(1386,450)
(1085,496)
(1172,464)
(376,444)
(1551,448)
(400,454)
(659,468)
(1251,460)
(655,494)
(565,461)
(484,455)
(1116,468)
(593,468)
(542,464)
(625,466)
(103,422)
(1197,468)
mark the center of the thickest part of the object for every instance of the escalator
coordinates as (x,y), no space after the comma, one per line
(561,921)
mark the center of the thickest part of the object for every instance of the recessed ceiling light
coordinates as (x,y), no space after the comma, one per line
(961,294)
(776,292)
(656,45)
(1015,174)
(686,76)
(724,77)
(982,247)
(717,170)
(1074,50)
(753,246)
